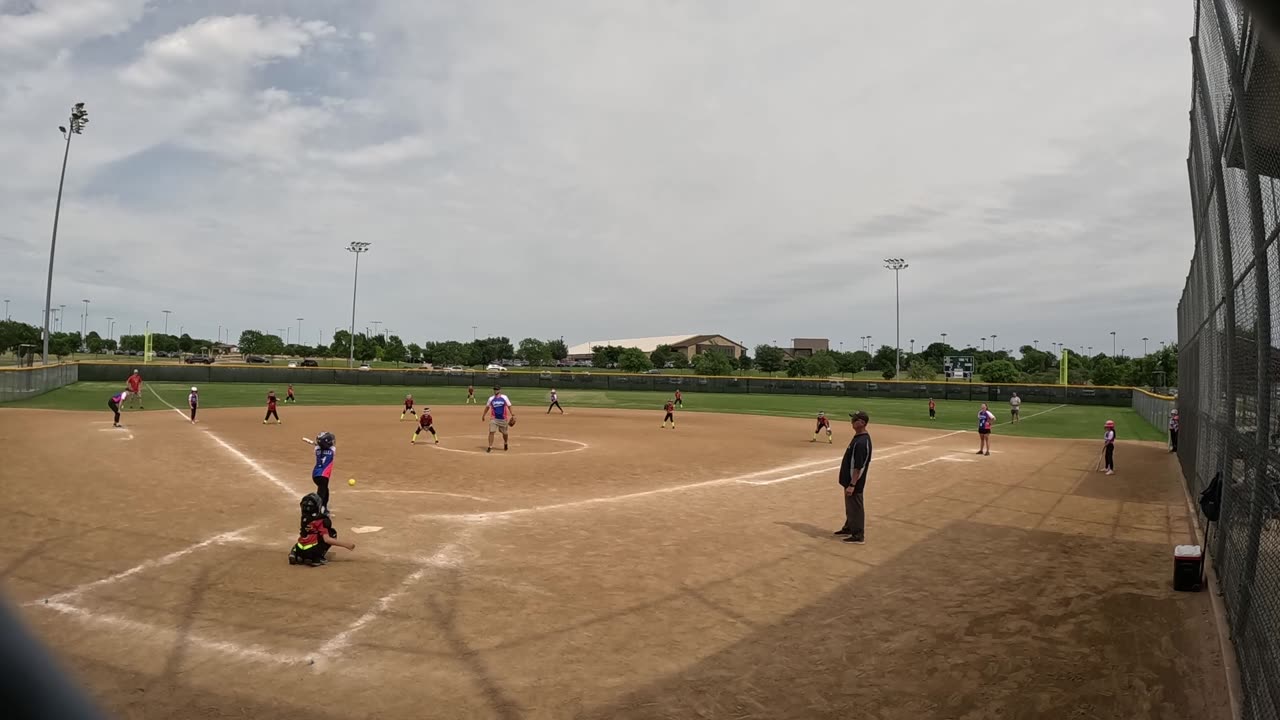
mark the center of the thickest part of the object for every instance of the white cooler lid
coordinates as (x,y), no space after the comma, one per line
(1187,551)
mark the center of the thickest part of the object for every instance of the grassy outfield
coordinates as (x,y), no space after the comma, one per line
(1039,420)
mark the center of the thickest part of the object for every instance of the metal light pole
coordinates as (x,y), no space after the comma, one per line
(896,265)
(913,346)
(6,309)
(1035,344)
(166,320)
(79,118)
(299,331)
(357,248)
(944,338)
(993,342)
(287,332)
(473,333)
(111,322)
(1113,343)
(1144,347)
(84,334)
(62,312)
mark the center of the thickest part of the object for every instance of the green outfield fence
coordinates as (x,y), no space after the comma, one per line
(1228,358)
(20,383)
(969,391)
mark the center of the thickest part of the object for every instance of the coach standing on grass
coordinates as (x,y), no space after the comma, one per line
(853,478)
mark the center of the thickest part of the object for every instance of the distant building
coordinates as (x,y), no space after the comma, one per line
(687,345)
(806,347)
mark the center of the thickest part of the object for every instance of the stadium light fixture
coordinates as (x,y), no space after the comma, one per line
(79,118)
(166,320)
(1113,343)
(896,265)
(357,248)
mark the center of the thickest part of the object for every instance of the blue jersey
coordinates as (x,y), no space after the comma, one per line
(119,397)
(984,420)
(324,463)
(500,405)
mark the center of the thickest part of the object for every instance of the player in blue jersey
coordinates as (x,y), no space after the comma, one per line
(323,469)
(503,416)
(985,420)
(117,401)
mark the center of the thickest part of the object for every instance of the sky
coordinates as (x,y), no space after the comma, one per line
(602,170)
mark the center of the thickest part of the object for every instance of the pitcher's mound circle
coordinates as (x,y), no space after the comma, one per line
(520,444)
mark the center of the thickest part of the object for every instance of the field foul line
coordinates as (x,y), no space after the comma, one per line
(136,628)
(446,557)
(788,478)
(147,565)
(477,498)
(1010,421)
(231,449)
(744,479)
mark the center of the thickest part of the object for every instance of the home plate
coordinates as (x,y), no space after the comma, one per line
(366,529)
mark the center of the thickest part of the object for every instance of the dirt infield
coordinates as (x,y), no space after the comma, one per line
(602,568)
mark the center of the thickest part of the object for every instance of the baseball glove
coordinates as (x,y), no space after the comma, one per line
(512,423)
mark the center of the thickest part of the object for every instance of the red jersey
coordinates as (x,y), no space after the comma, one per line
(425,420)
(271,401)
(931,405)
(408,403)
(311,531)
(669,407)
(470,391)
(290,391)
(824,422)
(134,383)
(678,395)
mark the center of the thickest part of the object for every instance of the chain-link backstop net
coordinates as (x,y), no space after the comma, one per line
(1229,357)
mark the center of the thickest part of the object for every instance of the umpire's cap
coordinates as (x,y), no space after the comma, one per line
(860,415)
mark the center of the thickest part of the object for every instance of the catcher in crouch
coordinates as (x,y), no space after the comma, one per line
(503,417)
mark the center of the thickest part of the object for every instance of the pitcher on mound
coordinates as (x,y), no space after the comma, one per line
(503,417)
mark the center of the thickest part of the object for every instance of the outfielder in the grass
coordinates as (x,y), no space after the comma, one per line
(933,410)
(134,383)
(679,401)
(1174,424)
(670,409)
(288,395)
(425,422)
(408,407)
(1015,405)
(471,394)
(115,404)
(823,424)
(193,402)
(555,402)
(1109,447)
(503,416)
(315,534)
(985,419)
(271,408)
(325,444)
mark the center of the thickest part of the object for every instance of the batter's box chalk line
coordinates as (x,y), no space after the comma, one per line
(62,603)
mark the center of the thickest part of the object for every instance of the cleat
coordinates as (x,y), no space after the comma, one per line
(488,449)
(843,531)
(856,539)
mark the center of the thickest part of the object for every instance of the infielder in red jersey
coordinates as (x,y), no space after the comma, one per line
(670,409)
(471,394)
(823,424)
(408,407)
(288,395)
(425,422)
(679,400)
(271,408)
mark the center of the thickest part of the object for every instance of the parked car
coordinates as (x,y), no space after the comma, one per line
(256,360)
(364,366)
(494,367)
(309,363)
(203,359)
(455,370)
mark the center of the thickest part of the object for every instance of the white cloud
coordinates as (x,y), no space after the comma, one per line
(217,49)
(52,25)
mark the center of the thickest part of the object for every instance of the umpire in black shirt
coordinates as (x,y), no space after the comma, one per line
(853,478)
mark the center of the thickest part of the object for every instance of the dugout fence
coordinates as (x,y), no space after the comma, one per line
(20,383)
(1228,359)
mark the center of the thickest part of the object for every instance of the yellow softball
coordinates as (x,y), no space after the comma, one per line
(352,482)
